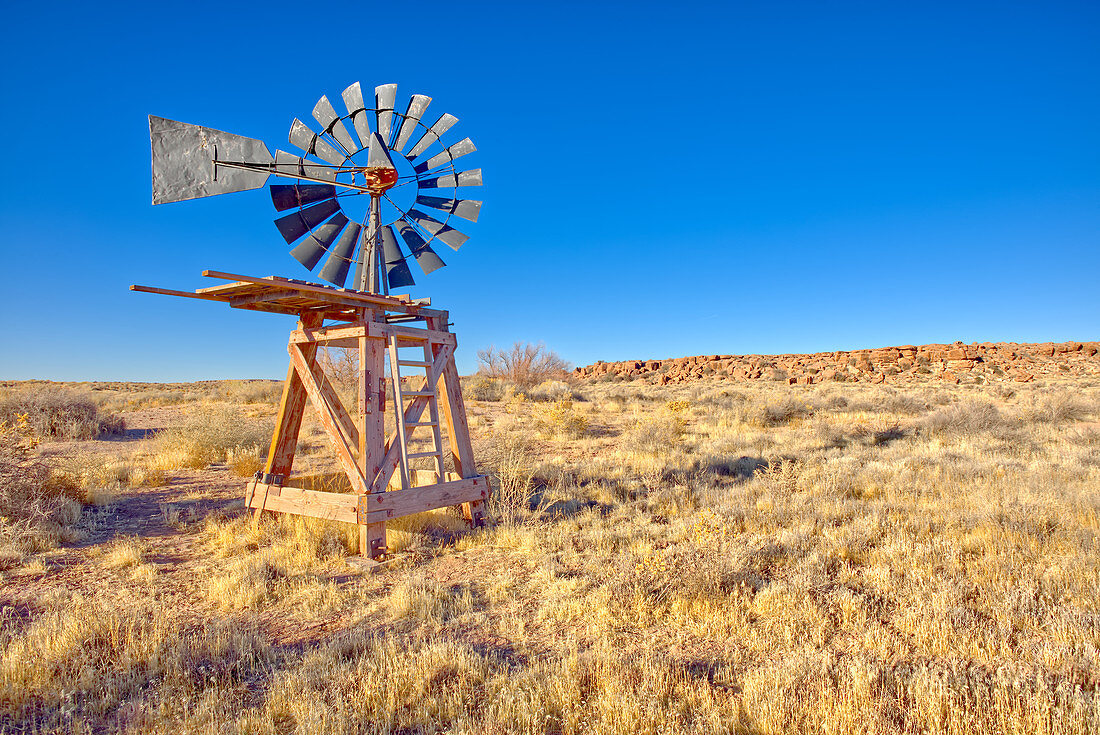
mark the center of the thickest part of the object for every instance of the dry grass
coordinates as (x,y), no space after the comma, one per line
(37,504)
(701,558)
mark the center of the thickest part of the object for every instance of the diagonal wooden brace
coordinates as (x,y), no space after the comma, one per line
(329,419)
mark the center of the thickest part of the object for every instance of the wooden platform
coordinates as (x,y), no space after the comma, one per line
(287,296)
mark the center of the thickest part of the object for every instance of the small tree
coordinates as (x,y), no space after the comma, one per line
(525,364)
(341,365)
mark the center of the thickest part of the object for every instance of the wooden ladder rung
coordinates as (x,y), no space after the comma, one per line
(414,363)
(411,337)
(421,423)
(418,455)
(418,392)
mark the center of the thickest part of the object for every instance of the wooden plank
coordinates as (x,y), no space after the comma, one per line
(171,292)
(328,416)
(364,300)
(372,405)
(449,389)
(327,334)
(239,301)
(387,506)
(311,503)
(437,336)
(373,330)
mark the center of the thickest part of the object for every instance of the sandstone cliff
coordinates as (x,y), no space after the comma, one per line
(907,363)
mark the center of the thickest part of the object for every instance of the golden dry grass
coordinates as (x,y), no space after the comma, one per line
(691,559)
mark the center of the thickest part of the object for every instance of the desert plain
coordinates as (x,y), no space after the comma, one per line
(878,543)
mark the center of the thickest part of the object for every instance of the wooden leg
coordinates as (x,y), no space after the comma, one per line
(449,390)
(372,434)
(280,457)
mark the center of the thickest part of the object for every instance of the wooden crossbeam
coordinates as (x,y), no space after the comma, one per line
(371,330)
(398,503)
(364,509)
(297,501)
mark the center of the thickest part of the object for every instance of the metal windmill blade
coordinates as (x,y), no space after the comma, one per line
(357,112)
(384,97)
(375,157)
(439,230)
(417,105)
(335,270)
(330,121)
(398,274)
(450,181)
(464,208)
(425,257)
(310,251)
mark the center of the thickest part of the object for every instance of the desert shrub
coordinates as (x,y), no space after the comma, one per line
(553,390)
(35,503)
(482,388)
(525,364)
(783,411)
(1058,407)
(207,437)
(252,391)
(965,417)
(658,433)
(59,414)
(560,419)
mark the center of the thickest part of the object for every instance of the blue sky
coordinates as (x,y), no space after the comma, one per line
(662,179)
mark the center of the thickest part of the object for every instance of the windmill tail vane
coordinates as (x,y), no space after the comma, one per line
(384,166)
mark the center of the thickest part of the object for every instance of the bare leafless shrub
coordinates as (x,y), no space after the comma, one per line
(341,365)
(657,434)
(1058,407)
(965,417)
(525,364)
(509,460)
(782,411)
(59,414)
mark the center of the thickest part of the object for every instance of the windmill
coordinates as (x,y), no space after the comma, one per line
(353,204)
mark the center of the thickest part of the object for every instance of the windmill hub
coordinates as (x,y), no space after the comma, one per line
(379,180)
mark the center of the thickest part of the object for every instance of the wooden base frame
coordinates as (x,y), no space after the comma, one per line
(373,325)
(367,460)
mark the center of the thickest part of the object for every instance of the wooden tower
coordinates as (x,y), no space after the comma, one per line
(421,392)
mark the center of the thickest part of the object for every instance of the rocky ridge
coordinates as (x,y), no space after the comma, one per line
(953,363)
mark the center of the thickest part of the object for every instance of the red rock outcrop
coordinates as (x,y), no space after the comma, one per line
(952,363)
